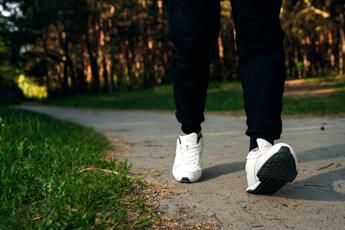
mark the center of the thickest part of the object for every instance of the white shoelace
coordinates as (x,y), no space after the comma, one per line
(189,155)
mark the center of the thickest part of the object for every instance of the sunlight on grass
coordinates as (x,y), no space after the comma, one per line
(311,96)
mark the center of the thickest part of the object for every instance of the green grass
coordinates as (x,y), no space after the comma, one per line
(161,98)
(221,97)
(332,104)
(141,99)
(41,183)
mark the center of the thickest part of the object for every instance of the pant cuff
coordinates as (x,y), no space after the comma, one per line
(188,129)
(253,144)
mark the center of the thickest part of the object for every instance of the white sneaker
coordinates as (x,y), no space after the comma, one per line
(187,167)
(269,167)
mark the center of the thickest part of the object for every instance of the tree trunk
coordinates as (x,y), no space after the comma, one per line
(80,67)
(69,71)
(93,56)
(65,88)
(113,64)
(341,46)
(106,86)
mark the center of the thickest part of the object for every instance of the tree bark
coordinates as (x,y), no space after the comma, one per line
(341,46)
(93,56)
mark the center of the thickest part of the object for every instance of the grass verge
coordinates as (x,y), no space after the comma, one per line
(302,97)
(43,185)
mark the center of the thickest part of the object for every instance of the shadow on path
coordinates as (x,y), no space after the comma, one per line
(319,187)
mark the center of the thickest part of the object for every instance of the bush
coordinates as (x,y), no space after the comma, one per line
(10,93)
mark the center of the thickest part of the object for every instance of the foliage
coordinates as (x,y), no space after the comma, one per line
(30,89)
(41,183)
(9,92)
(108,45)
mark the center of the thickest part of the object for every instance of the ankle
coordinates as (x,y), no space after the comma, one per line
(184,134)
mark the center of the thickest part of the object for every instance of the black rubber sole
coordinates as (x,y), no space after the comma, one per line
(185,180)
(278,170)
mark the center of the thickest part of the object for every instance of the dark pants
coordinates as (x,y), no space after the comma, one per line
(194,29)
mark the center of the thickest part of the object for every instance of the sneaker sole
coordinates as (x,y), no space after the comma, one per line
(278,170)
(191,178)
(185,180)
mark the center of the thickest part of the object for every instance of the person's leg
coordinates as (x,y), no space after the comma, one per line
(194,26)
(262,73)
(193,29)
(259,39)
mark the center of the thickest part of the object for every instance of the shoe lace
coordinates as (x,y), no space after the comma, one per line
(190,154)
(258,151)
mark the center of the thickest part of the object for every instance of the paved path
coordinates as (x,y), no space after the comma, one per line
(316,200)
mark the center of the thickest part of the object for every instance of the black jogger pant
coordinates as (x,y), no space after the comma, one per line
(194,29)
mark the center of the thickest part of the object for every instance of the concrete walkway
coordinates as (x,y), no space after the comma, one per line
(316,200)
